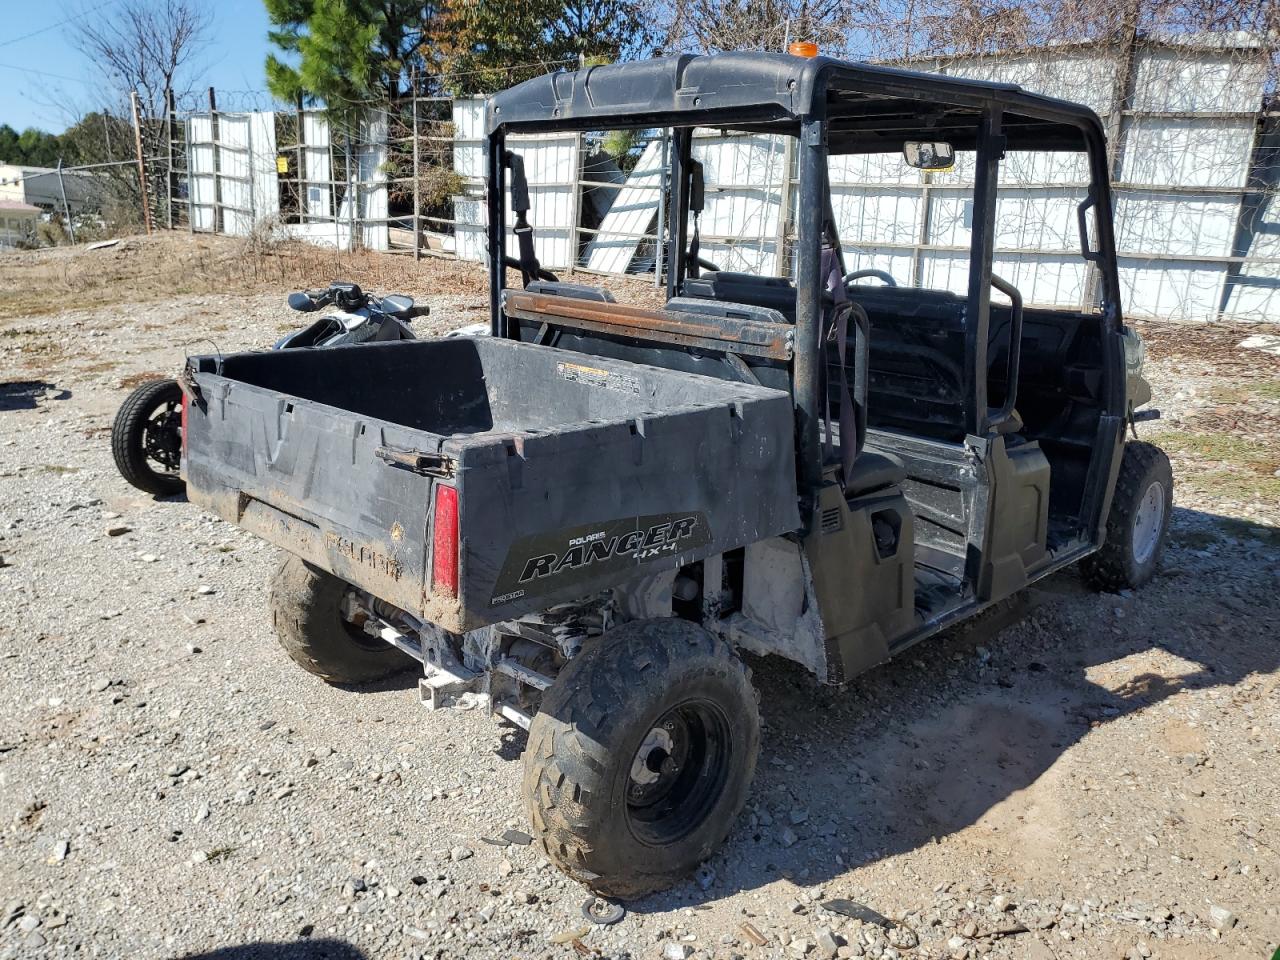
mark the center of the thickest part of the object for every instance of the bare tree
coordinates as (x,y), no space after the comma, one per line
(717,25)
(144,45)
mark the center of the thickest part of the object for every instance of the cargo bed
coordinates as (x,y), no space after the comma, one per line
(566,473)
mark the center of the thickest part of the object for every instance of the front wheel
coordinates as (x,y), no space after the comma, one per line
(146,438)
(1138,522)
(640,757)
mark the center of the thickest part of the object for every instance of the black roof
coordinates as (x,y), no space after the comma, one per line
(870,108)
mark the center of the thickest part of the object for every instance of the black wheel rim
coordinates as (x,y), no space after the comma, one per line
(162,437)
(678,772)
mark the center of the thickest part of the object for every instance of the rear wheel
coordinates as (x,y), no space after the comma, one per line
(641,756)
(146,438)
(1138,522)
(307,612)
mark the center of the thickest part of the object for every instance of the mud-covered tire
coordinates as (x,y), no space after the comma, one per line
(594,734)
(306,611)
(137,422)
(1138,523)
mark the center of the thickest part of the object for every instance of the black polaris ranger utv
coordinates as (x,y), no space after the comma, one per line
(587,515)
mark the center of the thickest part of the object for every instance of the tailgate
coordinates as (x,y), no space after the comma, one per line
(307,477)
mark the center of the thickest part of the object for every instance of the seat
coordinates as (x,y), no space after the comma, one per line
(872,471)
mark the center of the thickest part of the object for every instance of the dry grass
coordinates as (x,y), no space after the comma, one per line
(144,269)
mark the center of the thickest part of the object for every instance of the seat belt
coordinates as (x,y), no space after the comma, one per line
(523,229)
(697,200)
(837,331)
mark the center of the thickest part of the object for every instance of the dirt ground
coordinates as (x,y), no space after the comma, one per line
(1099,778)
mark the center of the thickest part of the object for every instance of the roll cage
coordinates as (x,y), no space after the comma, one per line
(831,108)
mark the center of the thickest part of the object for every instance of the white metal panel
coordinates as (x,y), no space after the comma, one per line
(877,215)
(317,169)
(370,171)
(551,167)
(469,232)
(1174,290)
(235,180)
(1083,76)
(1179,79)
(1197,152)
(321,234)
(940,270)
(1045,279)
(201,186)
(896,263)
(741,174)
(468,137)
(1176,224)
(632,213)
(266,178)
(877,168)
(1254,294)
(1035,167)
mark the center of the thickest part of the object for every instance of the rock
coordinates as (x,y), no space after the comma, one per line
(458,854)
(799,947)
(676,951)
(505,867)
(119,530)
(705,877)
(202,813)
(1221,919)
(149,558)
(1002,903)
(799,815)
(100,684)
(827,944)
(205,590)
(956,944)
(28,923)
(787,837)
(517,836)
(60,851)
(969,930)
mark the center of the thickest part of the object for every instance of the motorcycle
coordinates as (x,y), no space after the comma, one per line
(146,436)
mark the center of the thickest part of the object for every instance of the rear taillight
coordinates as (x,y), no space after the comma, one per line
(444,542)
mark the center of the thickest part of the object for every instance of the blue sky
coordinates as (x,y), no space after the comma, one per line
(45,82)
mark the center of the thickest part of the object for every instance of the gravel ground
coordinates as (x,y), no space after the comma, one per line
(1099,778)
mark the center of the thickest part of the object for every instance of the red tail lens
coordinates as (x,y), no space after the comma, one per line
(444,542)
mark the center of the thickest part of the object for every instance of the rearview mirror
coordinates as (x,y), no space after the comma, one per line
(301,302)
(923,155)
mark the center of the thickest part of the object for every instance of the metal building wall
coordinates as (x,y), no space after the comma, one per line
(552,164)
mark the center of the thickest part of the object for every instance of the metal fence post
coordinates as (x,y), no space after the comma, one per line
(417,199)
(142,167)
(66,210)
(659,259)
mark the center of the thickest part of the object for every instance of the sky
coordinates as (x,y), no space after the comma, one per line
(46,83)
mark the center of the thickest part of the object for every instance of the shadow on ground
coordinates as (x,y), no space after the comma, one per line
(928,744)
(27,394)
(304,949)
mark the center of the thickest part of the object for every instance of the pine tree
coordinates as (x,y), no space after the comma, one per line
(347,51)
